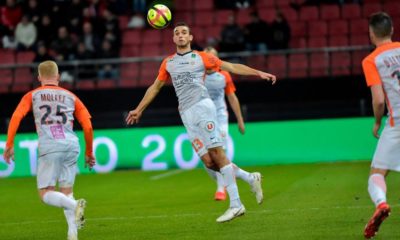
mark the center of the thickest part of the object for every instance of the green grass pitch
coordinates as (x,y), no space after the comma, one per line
(311,201)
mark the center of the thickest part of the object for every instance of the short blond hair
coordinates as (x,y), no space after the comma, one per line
(48,69)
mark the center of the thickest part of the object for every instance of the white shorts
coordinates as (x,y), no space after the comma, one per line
(56,167)
(222,117)
(201,124)
(387,153)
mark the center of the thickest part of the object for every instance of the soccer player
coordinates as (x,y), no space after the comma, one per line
(53,109)
(186,70)
(382,73)
(219,83)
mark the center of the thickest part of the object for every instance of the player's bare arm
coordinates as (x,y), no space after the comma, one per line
(378,104)
(235,105)
(241,69)
(151,93)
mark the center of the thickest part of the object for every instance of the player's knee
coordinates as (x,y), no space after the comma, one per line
(206,158)
(43,192)
(383,172)
(212,166)
(215,153)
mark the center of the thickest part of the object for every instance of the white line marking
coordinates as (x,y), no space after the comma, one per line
(167,174)
(183,215)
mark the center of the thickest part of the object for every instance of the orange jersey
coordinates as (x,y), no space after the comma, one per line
(382,67)
(187,72)
(54,109)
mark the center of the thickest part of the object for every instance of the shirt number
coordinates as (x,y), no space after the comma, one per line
(48,110)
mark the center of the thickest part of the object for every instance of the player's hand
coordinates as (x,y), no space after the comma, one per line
(133,117)
(375,130)
(267,76)
(241,127)
(90,161)
(8,155)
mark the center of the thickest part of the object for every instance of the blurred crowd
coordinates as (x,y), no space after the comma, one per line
(258,35)
(66,30)
(69,29)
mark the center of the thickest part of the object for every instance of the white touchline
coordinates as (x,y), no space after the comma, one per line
(167,174)
(265,211)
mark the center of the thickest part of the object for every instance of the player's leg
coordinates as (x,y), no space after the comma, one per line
(217,177)
(70,215)
(377,185)
(220,194)
(384,160)
(209,132)
(75,218)
(377,192)
(200,123)
(236,207)
(253,179)
(191,119)
(47,174)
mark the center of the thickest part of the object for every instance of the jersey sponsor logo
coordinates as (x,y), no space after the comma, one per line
(184,78)
(197,144)
(210,126)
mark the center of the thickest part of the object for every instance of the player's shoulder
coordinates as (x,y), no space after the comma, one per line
(393,46)
(201,53)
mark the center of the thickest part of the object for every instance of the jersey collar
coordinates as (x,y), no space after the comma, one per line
(183,54)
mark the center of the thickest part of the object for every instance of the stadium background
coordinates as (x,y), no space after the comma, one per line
(319,110)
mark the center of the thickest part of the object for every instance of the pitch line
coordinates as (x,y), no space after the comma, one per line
(167,174)
(183,215)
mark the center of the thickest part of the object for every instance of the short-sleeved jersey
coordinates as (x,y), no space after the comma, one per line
(53,109)
(187,72)
(218,84)
(382,66)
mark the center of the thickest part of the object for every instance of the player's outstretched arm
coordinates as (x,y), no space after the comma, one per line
(151,93)
(378,104)
(241,69)
(20,112)
(235,105)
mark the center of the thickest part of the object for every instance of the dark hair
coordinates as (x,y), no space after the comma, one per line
(183,24)
(381,24)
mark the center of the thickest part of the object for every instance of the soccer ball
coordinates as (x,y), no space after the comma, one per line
(159,16)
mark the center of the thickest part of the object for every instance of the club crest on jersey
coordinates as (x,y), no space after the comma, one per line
(193,55)
(210,126)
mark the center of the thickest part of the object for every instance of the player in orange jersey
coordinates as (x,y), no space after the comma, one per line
(382,73)
(219,83)
(54,109)
(186,70)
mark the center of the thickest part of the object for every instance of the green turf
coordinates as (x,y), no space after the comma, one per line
(315,201)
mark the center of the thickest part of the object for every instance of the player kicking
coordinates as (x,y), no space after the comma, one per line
(382,73)
(219,83)
(186,69)
(53,108)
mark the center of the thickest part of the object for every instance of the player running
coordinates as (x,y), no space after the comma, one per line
(53,109)
(186,70)
(219,83)
(382,73)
